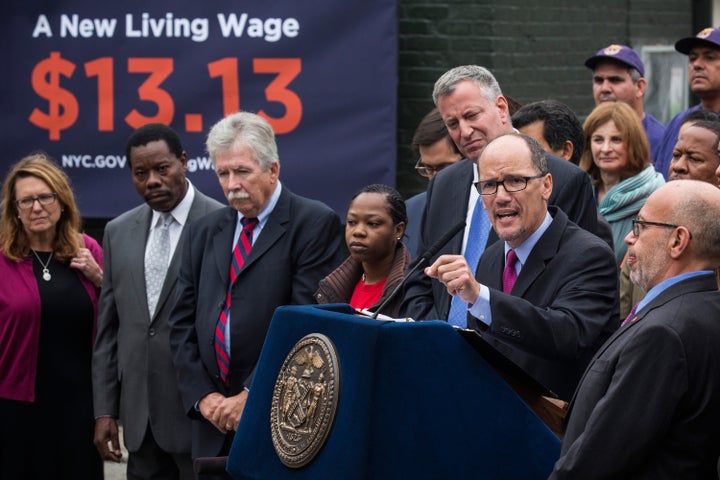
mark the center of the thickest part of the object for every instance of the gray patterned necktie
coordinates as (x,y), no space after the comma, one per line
(156,261)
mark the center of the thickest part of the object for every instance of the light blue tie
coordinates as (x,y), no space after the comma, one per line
(477,238)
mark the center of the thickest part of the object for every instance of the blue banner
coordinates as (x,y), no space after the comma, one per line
(81,75)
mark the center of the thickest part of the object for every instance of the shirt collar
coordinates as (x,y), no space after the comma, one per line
(524,249)
(265,212)
(665,284)
(181,210)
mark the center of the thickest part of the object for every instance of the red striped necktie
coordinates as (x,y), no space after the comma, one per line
(239,254)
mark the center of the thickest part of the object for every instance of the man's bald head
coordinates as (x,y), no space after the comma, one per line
(696,205)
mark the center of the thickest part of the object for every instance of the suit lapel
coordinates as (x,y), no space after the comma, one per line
(457,205)
(493,264)
(273,229)
(695,284)
(460,198)
(543,252)
(136,250)
(223,244)
(196,211)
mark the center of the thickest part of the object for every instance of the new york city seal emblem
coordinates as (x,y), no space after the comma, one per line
(305,400)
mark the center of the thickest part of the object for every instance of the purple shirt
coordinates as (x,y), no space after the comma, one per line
(655,132)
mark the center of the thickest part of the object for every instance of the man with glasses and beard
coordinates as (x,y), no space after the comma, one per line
(648,405)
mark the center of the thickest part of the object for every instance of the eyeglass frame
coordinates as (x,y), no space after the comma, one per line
(429,171)
(637,222)
(44,200)
(502,182)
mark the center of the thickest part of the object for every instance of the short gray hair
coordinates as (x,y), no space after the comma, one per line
(244,129)
(480,76)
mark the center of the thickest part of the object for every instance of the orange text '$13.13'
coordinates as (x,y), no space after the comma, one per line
(63,108)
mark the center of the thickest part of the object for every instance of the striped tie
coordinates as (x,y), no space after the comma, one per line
(239,254)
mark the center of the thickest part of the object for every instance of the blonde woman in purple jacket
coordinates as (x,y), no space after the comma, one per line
(50,275)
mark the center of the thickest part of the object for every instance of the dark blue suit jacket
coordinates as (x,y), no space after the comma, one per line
(648,406)
(447,204)
(298,246)
(563,306)
(415,207)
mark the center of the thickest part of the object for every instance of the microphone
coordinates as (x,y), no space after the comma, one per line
(425,257)
(442,241)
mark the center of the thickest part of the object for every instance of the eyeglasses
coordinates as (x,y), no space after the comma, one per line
(427,170)
(44,199)
(636,226)
(511,184)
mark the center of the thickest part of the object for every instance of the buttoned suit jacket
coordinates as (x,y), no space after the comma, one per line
(563,306)
(133,374)
(648,406)
(297,247)
(447,204)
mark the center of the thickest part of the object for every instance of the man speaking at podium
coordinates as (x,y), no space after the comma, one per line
(547,295)
(475,112)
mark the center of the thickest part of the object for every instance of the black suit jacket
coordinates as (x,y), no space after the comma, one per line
(563,306)
(298,246)
(447,204)
(648,406)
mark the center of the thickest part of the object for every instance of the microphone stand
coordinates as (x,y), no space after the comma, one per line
(417,265)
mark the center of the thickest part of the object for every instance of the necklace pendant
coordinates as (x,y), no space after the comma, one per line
(45,271)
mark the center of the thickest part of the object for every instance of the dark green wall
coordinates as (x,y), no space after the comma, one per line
(536,49)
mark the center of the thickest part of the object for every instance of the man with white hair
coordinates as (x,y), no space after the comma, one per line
(270,247)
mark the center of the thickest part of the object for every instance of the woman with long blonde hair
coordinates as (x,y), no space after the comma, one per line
(50,276)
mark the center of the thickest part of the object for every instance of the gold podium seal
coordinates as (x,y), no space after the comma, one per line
(305,400)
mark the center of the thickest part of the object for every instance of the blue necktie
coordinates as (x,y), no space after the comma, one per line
(477,238)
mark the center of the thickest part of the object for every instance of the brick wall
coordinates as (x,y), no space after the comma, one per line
(536,49)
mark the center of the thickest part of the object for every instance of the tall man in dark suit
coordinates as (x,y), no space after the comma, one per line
(648,406)
(133,375)
(553,305)
(281,244)
(476,112)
